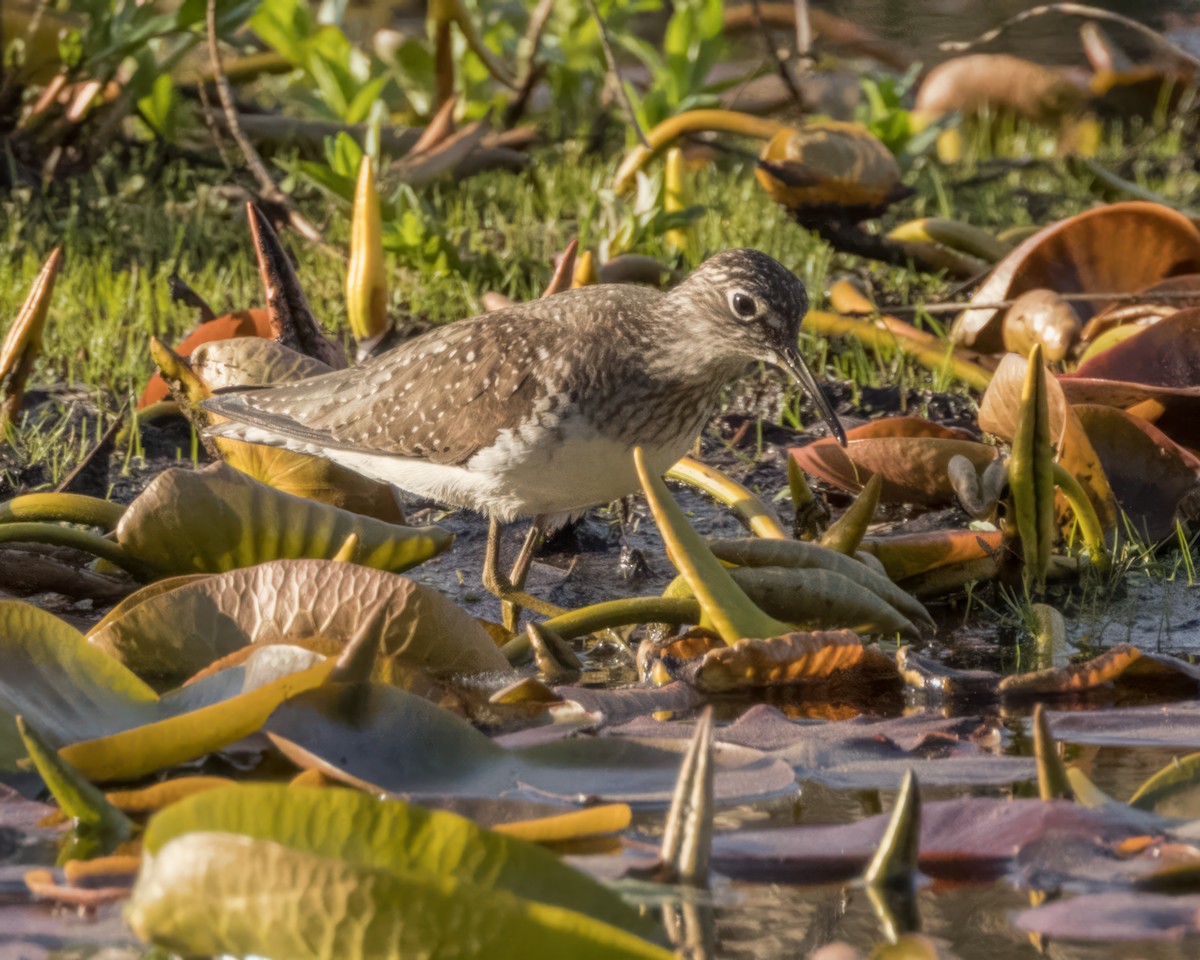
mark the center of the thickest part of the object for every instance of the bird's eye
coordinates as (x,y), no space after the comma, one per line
(743,305)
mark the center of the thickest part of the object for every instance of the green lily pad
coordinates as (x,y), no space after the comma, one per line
(390,835)
(217,519)
(217,893)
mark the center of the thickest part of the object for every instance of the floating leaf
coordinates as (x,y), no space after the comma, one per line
(864,752)
(173,634)
(1122,662)
(216,519)
(1115,918)
(909,555)
(790,659)
(969,839)
(213,893)
(1161,725)
(404,744)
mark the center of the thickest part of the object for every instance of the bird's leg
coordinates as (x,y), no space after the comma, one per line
(511,611)
(509,589)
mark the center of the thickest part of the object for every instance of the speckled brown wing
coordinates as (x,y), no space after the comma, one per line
(441,397)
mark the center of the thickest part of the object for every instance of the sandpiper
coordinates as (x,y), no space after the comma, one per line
(534,410)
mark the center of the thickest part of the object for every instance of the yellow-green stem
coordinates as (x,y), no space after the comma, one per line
(62,507)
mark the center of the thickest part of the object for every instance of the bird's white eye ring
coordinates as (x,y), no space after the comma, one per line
(744,306)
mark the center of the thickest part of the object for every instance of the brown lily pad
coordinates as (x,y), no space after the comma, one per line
(1002,83)
(791,659)
(1118,248)
(1148,472)
(1121,664)
(1000,410)
(909,453)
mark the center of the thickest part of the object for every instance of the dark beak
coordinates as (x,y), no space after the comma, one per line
(789,358)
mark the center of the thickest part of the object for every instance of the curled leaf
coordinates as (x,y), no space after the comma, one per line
(216,519)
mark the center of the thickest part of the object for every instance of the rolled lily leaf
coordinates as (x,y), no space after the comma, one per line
(390,835)
(813,598)
(796,554)
(62,507)
(1031,473)
(219,893)
(1000,411)
(723,601)
(1053,782)
(217,519)
(366,283)
(846,533)
(172,634)
(24,339)
(76,796)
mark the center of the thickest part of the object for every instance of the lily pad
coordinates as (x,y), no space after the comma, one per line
(391,835)
(1115,917)
(911,455)
(1120,247)
(391,740)
(216,519)
(174,634)
(219,893)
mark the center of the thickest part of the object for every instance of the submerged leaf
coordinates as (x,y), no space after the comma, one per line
(391,740)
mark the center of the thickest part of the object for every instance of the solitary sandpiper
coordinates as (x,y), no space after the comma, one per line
(534,410)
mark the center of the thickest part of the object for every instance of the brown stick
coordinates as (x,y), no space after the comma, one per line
(266,182)
(1163,296)
(1078,10)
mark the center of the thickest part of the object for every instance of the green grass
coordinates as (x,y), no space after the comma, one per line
(125,233)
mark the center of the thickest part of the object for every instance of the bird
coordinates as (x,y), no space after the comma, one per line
(533,411)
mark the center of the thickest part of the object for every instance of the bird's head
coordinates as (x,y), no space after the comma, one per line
(753,305)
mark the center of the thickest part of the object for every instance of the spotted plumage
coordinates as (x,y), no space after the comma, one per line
(534,409)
